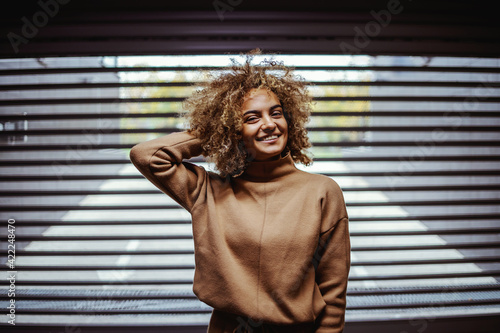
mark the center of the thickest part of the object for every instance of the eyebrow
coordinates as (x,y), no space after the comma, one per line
(256,111)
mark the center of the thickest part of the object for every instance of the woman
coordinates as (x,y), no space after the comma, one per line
(272,251)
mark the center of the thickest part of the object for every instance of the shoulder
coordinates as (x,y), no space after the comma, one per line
(320,182)
(329,194)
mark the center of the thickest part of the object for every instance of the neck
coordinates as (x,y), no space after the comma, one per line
(266,170)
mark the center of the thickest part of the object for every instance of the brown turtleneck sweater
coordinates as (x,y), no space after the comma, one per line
(271,245)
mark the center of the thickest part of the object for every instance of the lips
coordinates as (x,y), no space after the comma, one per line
(268,138)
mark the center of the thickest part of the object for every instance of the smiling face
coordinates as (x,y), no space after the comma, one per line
(265,130)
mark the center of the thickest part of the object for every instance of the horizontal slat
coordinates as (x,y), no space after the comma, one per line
(355,233)
(444,289)
(356,302)
(175,293)
(100,85)
(493,273)
(54,101)
(385,173)
(430,188)
(454,245)
(182,291)
(264,29)
(196,307)
(113,131)
(78,70)
(433,231)
(65,86)
(414,143)
(469,172)
(43,208)
(63,268)
(34,237)
(38,48)
(129,323)
(421,300)
(89,146)
(66,101)
(135,308)
(488,273)
(399,158)
(358,12)
(40,253)
(476,318)
(424,261)
(207,45)
(50,253)
(428,218)
(318,113)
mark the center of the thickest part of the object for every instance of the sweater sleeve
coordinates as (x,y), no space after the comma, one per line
(334,263)
(161,162)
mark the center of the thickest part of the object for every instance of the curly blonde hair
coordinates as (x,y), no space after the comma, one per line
(214,112)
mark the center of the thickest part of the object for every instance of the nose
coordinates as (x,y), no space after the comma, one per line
(268,124)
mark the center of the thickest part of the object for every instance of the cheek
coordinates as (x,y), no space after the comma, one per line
(246,135)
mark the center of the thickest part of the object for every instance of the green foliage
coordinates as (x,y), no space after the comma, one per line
(170,121)
(337,121)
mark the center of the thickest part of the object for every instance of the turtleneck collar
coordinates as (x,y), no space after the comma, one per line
(267,170)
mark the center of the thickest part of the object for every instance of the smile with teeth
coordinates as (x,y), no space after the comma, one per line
(268,138)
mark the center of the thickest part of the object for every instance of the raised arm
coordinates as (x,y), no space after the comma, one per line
(161,162)
(333,268)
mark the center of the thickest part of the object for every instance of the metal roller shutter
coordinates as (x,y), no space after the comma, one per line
(409,129)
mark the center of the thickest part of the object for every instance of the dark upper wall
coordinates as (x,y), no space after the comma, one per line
(463,6)
(91,27)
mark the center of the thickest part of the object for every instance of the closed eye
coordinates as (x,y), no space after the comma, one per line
(251,119)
